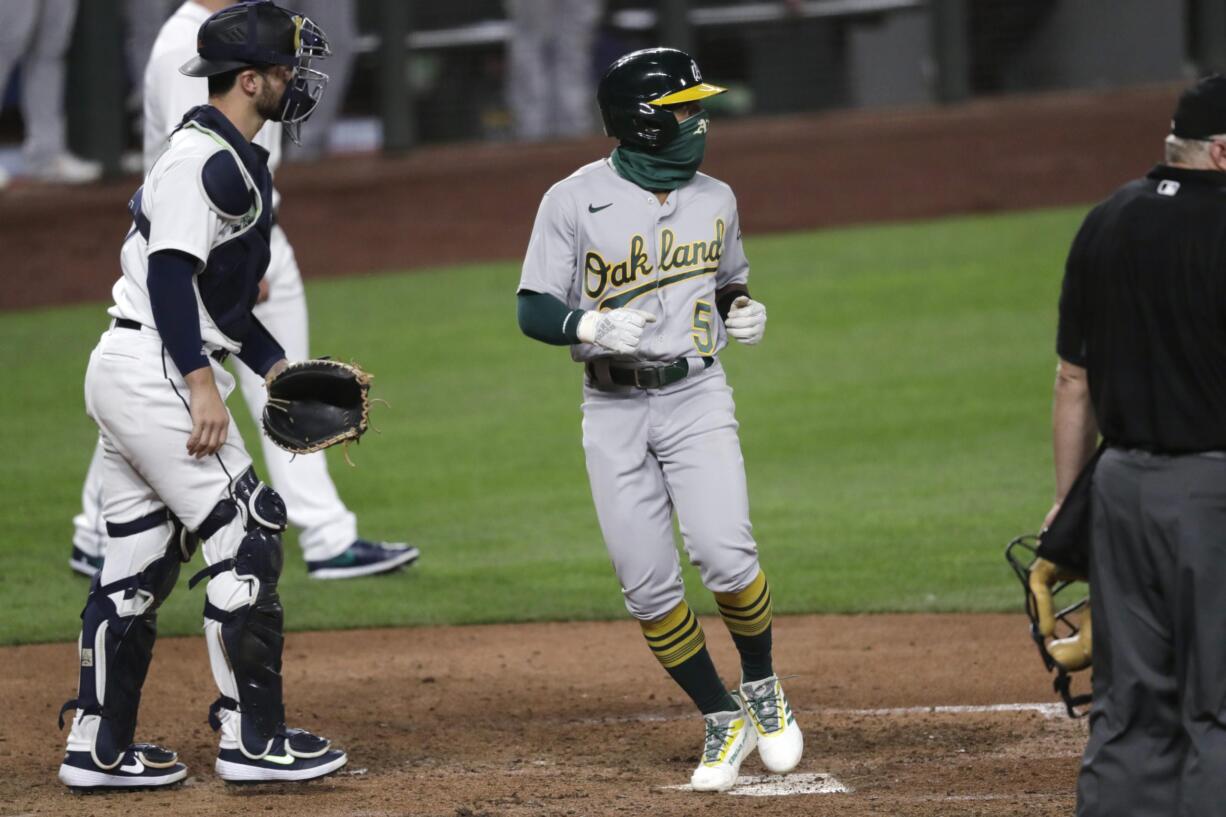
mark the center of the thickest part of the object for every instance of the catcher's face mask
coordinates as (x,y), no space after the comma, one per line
(1021,554)
(306,84)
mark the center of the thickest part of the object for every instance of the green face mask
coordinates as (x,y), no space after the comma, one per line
(670,167)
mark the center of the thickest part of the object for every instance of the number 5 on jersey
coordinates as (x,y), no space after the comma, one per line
(704,330)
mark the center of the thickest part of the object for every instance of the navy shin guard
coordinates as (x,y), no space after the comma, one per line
(118,630)
(254,637)
(243,615)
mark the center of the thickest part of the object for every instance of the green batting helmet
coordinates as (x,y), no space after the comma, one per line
(637,90)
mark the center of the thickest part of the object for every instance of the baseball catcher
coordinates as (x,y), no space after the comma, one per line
(177,475)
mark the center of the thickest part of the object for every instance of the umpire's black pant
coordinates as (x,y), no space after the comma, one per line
(1158,592)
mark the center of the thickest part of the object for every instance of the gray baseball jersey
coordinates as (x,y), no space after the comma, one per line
(602,242)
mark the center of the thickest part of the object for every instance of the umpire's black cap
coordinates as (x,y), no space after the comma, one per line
(251,33)
(1201,111)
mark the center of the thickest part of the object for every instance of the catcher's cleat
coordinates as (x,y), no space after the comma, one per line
(296,755)
(729,740)
(81,562)
(780,743)
(364,558)
(143,766)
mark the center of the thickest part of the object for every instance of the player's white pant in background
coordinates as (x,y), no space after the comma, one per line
(89,528)
(653,453)
(326,526)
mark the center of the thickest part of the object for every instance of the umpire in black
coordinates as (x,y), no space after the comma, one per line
(1142,346)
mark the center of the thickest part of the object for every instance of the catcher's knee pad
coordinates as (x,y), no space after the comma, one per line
(118,628)
(253,503)
(263,506)
(243,616)
(251,507)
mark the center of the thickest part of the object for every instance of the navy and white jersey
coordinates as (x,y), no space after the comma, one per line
(208,195)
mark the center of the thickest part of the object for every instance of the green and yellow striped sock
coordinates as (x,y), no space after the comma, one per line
(678,643)
(747,613)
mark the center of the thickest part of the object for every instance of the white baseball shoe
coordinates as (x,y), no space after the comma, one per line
(780,743)
(296,755)
(729,740)
(143,766)
(66,169)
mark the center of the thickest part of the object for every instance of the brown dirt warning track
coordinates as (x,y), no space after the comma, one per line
(903,715)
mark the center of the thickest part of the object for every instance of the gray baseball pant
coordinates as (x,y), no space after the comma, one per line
(549,58)
(655,454)
(35,33)
(1158,594)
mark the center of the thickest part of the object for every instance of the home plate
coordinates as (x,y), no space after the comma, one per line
(781,785)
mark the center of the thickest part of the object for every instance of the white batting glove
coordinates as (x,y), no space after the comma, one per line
(618,330)
(746,320)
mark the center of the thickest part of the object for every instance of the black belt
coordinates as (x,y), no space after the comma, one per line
(650,377)
(220,355)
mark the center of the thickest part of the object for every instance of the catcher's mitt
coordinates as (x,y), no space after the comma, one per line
(314,404)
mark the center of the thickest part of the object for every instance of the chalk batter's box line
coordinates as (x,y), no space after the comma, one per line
(1047,710)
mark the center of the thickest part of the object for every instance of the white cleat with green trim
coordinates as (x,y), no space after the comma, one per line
(780,743)
(729,739)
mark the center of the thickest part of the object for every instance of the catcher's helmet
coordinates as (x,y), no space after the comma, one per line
(637,89)
(260,33)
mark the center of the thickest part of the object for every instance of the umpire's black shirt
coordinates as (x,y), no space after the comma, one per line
(1143,310)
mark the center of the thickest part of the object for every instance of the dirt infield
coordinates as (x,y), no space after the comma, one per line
(476,202)
(907,715)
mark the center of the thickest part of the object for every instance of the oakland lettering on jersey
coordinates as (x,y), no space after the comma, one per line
(599,275)
(694,253)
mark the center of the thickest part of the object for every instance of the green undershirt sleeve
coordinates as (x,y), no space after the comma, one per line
(547,319)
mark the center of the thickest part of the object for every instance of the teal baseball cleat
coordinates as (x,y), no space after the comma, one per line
(364,558)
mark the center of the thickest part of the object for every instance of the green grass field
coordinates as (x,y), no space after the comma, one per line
(894,423)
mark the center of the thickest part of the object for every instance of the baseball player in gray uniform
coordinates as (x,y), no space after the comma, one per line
(636,263)
(328,529)
(176,475)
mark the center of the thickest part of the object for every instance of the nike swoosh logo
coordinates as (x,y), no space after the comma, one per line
(136,767)
(593,209)
(284,760)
